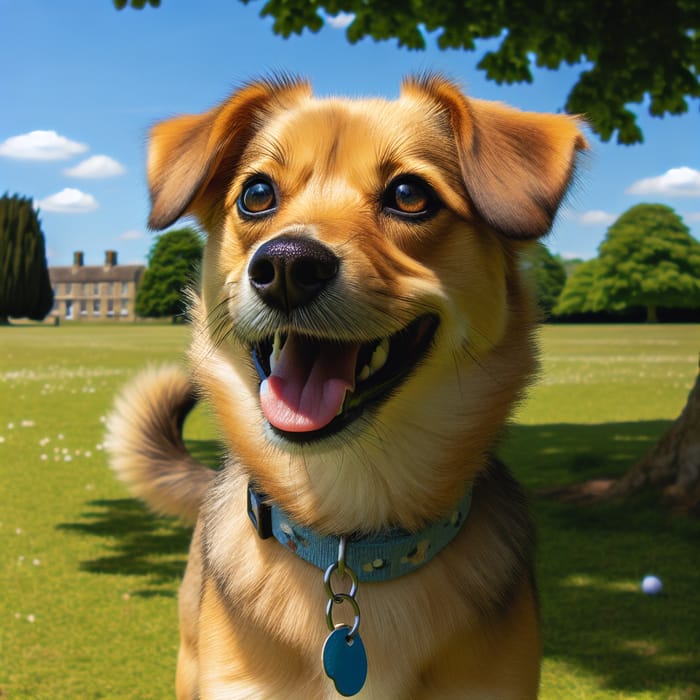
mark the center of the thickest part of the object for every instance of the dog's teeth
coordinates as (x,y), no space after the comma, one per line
(276,350)
(364,373)
(379,356)
(342,403)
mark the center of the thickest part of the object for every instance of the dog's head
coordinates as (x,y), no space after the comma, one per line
(363,329)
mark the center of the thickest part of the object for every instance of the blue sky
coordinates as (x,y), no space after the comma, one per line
(83,82)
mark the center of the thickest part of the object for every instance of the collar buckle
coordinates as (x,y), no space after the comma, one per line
(260,513)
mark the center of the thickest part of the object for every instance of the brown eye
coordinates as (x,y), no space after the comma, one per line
(258,197)
(410,197)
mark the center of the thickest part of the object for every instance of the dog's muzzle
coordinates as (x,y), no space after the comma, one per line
(312,386)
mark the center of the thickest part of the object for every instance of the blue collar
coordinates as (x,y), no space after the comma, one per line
(373,558)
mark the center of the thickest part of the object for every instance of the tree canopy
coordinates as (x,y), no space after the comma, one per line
(173,262)
(630,51)
(25,287)
(548,274)
(648,259)
(575,297)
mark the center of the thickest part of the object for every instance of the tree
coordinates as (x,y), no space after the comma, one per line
(648,259)
(25,287)
(575,297)
(548,275)
(631,51)
(173,262)
(674,462)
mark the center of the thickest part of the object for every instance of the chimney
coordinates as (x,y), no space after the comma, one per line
(110,258)
(77,259)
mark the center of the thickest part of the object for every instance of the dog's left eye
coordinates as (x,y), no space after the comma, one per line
(410,197)
(258,197)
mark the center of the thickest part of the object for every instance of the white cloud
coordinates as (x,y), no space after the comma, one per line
(676,182)
(41,145)
(341,20)
(69,201)
(595,217)
(131,235)
(96,167)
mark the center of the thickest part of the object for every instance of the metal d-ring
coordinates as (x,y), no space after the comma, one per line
(348,572)
(337,599)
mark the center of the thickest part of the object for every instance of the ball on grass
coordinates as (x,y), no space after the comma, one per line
(652,585)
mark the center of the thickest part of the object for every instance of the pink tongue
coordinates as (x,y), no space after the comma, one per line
(307,386)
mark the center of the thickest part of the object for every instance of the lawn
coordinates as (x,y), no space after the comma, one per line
(88,579)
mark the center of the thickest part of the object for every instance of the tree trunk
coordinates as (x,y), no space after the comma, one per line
(674,463)
(652,316)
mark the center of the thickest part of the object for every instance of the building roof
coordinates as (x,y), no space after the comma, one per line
(95,273)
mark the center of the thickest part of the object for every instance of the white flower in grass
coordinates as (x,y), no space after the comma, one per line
(43,457)
(31,618)
(88,453)
(2,439)
(10,426)
(27,424)
(36,562)
(59,436)
(67,458)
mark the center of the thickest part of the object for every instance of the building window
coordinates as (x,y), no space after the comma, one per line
(69,309)
(68,287)
(96,307)
(110,307)
(83,308)
(96,289)
(110,288)
(125,288)
(125,307)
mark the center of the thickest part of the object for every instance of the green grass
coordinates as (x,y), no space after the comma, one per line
(88,578)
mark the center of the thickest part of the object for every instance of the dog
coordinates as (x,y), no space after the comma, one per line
(363,329)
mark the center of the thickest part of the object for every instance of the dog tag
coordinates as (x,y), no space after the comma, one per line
(345,662)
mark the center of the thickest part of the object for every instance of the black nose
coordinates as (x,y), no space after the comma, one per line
(290,271)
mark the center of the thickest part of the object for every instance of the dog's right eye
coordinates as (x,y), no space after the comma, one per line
(258,197)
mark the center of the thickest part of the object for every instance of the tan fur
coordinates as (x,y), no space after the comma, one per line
(252,614)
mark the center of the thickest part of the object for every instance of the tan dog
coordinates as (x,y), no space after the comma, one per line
(362,334)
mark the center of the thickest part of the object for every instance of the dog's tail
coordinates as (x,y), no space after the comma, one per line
(144,439)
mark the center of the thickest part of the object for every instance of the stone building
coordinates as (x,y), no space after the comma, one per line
(95,292)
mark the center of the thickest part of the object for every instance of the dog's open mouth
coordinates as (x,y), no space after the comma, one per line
(312,387)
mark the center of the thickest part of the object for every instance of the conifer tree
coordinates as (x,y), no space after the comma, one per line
(25,287)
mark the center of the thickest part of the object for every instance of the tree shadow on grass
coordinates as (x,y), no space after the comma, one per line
(137,542)
(547,456)
(593,556)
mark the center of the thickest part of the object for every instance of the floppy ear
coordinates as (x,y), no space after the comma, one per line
(516,166)
(185,153)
